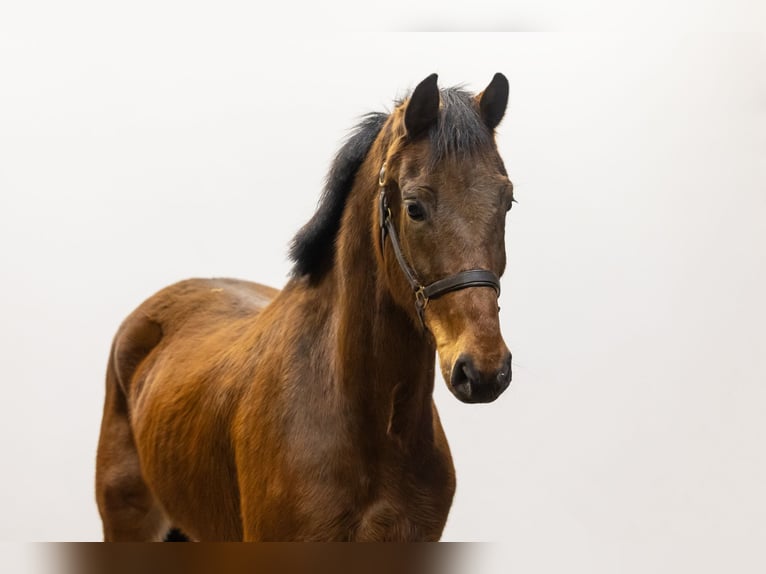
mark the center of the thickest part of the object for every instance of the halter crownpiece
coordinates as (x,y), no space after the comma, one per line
(424,293)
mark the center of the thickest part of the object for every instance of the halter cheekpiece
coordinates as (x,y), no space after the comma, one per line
(424,293)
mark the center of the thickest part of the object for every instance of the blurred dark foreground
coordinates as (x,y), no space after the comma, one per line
(287,558)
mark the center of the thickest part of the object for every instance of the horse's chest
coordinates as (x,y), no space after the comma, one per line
(402,518)
(407,508)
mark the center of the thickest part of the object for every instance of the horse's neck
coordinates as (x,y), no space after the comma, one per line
(385,365)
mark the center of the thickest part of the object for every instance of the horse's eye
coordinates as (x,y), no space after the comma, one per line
(415,211)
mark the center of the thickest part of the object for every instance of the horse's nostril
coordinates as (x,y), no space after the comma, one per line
(463,372)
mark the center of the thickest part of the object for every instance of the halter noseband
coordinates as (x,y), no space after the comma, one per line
(424,293)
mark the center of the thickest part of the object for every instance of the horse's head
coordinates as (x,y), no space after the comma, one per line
(444,194)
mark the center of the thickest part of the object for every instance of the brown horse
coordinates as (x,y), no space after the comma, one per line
(235,411)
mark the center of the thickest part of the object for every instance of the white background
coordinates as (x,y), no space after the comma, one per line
(148,144)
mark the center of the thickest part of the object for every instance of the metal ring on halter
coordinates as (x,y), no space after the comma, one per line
(421,299)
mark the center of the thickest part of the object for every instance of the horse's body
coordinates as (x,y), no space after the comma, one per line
(235,411)
(227,430)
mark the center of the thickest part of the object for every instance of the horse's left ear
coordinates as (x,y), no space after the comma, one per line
(422,107)
(493,101)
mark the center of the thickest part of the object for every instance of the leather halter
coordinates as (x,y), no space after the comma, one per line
(424,293)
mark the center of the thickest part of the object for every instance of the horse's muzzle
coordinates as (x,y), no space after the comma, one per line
(470,385)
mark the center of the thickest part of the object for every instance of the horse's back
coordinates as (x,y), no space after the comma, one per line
(190,309)
(205,300)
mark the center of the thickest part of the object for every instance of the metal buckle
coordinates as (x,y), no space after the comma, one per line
(421,299)
(384,214)
(383,210)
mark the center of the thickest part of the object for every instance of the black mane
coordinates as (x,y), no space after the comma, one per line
(313,246)
(458,132)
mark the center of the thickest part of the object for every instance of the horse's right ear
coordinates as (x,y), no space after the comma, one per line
(422,107)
